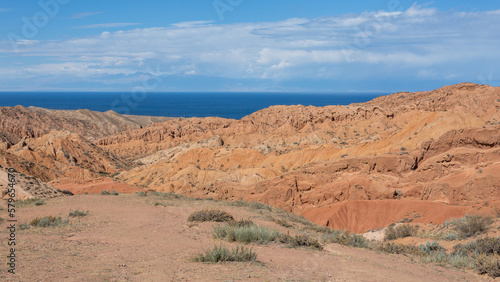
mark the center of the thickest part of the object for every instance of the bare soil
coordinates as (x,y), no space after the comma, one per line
(133,238)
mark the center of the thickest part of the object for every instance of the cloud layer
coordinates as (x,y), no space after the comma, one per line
(422,45)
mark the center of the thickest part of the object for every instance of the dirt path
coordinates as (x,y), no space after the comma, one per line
(127,237)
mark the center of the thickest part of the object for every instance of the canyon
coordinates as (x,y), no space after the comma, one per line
(360,167)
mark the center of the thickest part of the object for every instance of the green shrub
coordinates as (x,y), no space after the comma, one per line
(211,215)
(245,234)
(429,247)
(78,213)
(471,225)
(480,246)
(223,254)
(347,239)
(400,231)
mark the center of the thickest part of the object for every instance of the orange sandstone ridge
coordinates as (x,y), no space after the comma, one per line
(357,167)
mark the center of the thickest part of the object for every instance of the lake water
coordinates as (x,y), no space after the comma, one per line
(227,105)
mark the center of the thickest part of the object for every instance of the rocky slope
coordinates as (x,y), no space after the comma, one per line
(324,162)
(18,122)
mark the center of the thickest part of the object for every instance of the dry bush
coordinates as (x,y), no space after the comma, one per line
(471,225)
(347,239)
(400,231)
(211,215)
(300,241)
(245,234)
(488,264)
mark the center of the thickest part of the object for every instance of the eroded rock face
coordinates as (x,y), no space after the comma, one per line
(442,145)
(18,122)
(26,187)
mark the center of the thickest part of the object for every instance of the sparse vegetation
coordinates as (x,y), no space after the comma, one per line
(282,222)
(488,264)
(241,223)
(29,202)
(300,241)
(39,202)
(471,225)
(400,231)
(346,238)
(245,234)
(211,215)
(223,254)
(46,221)
(77,213)
(107,192)
(393,248)
(429,247)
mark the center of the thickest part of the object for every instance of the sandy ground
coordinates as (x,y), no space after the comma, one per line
(128,238)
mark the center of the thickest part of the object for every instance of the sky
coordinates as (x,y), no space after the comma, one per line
(247,45)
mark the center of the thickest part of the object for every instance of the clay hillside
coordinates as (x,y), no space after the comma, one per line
(292,189)
(357,167)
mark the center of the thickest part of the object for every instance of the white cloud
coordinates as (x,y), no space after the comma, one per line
(84,15)
(417,42)
(107,25)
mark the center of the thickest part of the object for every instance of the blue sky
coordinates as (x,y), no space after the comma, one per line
(243,45)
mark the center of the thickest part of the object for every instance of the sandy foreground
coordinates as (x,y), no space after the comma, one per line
(133,238)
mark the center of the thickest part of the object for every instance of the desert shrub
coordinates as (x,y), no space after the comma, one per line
(480,246)
(471,225)
(393,248)
(1,220)
(245,234)
(253,205)
(39,202)
(107,192)
(46,221)
(211,215)
(488,264)
(241,223)
(450,236)
(300,241)
(437,257)
(223,254)
(429,247)
(460,261)
(282,222)
(141,194)
(28,202)
(78,213)
(400,231)
(347,239)
(260,206)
